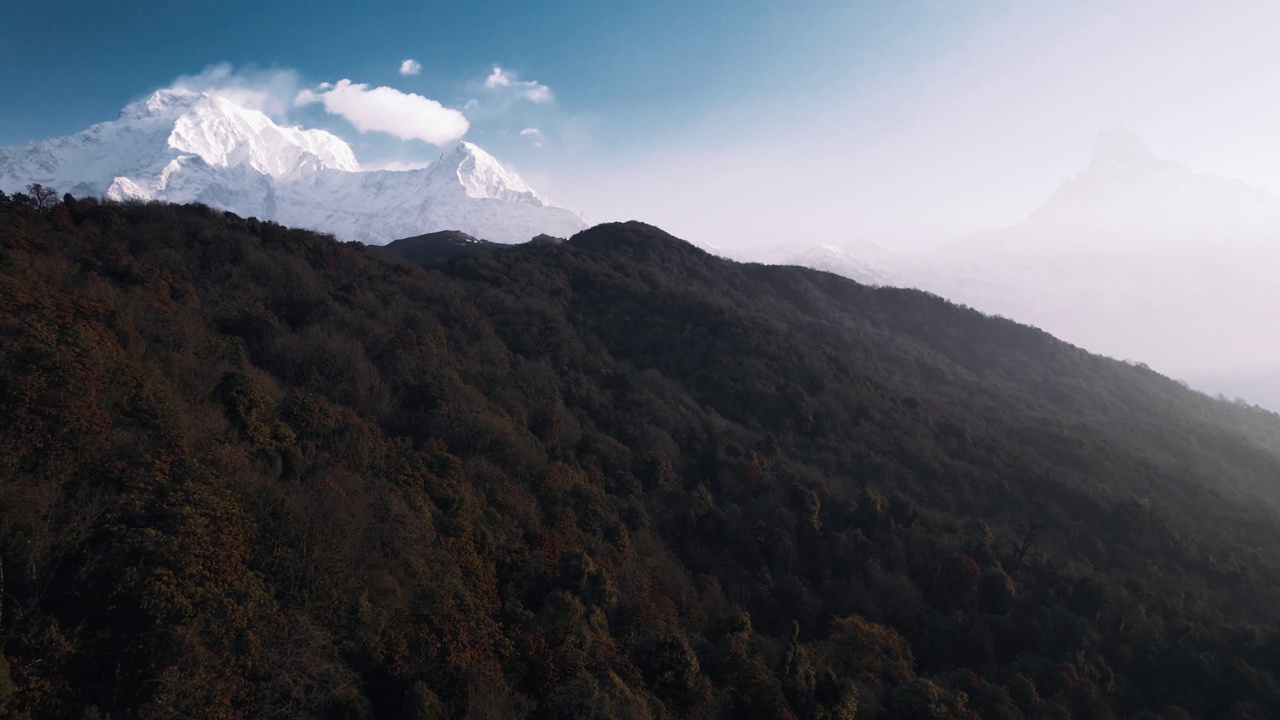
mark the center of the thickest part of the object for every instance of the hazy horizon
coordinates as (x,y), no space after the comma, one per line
(748,127)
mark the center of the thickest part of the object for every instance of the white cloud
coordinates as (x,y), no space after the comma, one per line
(410,67)
(497,78)
(528,89)
(535,134)
(383,109)
(267,91)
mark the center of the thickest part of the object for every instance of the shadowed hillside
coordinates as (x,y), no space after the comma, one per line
(438,246)
(248,471)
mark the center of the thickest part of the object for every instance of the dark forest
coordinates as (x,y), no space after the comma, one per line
(250,471)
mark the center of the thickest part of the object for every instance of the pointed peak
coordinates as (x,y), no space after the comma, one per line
(462,150)
(171,104)
(1119,144)
(166,102)
(480,175)
(453,156)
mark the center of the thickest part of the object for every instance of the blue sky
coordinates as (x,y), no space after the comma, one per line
(632,67)
(727,122)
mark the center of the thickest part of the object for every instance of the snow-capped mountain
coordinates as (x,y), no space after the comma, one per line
(1129,200)
(1135,257)
(861,260)
(183,146)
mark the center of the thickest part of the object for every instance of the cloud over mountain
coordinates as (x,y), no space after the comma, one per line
(270,92)
(407,116)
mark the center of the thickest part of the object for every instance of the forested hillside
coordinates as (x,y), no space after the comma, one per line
(249,471)
(437,246)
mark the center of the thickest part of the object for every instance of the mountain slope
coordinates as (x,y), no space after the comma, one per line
(1129,201)
(437,247)
(183,146)
(250,471)
(1135,257)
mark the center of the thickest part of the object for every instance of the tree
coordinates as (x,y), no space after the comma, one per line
(42,197)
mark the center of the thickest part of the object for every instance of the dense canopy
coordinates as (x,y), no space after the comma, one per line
(250,471)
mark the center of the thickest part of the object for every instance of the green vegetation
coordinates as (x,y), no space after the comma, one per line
(249,471)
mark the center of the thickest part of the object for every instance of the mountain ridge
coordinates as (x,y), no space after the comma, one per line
(184,146)
(1128,200)
(1135,257)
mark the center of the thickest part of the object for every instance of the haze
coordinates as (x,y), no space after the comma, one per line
(753,128)
(973,131)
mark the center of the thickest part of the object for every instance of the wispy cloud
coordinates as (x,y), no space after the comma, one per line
(267,91)
(410,67)
(534,134)
(530,90)
(407,116)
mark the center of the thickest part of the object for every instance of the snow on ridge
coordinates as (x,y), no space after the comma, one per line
(183,146)
(483,177)
(160,105)
(224,134)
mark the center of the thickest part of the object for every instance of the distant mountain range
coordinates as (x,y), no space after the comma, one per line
(182,146)
(1136,257)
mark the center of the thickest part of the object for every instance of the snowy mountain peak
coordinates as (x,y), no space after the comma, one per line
(1129,201)
(161,104)
(481,176)
(224,134)
(1120,145)
(182,146)
(136,155)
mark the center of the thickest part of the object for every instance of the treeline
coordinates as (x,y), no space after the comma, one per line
(250,471)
